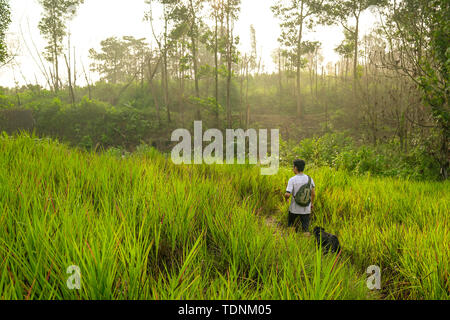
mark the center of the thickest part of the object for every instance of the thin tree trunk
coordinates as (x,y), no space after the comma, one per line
(346,69)
(69,73)
(216,75)
(299,61)
(317,72)
(55,68)
(165,85)
(166,76)
(74,70)
(87,81)
(229,66)
(280,80)
(194,57)
(241,80)
(355,61)
(247,118)
(197,90)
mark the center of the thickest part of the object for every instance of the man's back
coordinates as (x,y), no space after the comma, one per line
(294,185)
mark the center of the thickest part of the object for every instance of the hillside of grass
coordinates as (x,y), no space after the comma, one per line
(140,227)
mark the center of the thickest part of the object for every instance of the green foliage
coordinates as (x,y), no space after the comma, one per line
(5,101)
(424,25)
(52,24)
(399,225)
(209,104)
(339,151)
(120,59)
(347,47)
(140,227)
(89,123)
(295,16)
(5,20)
(53,28)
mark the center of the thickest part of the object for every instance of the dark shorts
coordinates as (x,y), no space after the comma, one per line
(297,219)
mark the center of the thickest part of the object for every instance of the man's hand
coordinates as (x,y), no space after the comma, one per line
(313,196)
(287,195)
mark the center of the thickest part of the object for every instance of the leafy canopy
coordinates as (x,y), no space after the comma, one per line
(5,20)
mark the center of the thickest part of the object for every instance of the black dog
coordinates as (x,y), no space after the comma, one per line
(327,240)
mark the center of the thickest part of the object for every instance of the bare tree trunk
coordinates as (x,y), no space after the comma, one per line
(355,61)
(165,86)
(194,57)
(155,100)
(56,67)
(74,69)
(335,77)
(69,73)
(346,69)
(166,76)
(317,70)
(87,81)
(299,65)
(247,118)
(280,83)
(229,66)
(216,75)
(197,90)
(241,81)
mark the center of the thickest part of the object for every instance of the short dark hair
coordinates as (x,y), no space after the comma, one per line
(300,165)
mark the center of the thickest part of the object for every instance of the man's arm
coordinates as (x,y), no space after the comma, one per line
(289,190)
(287,195)
(313,196)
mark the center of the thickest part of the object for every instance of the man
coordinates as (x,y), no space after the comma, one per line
(297,213)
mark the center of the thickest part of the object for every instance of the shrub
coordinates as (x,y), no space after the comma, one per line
(339,151)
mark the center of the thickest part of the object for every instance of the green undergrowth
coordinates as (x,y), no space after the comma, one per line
(142,228)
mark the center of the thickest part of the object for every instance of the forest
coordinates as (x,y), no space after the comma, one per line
(387,95)
(90,143)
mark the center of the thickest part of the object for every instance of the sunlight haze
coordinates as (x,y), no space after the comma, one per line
(97,20)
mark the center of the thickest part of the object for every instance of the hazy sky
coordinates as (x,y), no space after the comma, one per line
(97,20)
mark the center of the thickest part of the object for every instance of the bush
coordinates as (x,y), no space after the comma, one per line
(339,151)
(15,119)
(88,123)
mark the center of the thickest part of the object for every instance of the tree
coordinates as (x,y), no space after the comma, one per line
(339,11)
(164,42)
(109,62)
(120,59)
(5,20)
(217,11)
(252,65)
(296,16)
(137,57)
(231,10)
(311,49)
(188,22)
(418,35)
(277,57)
(346,49)
(254,53)
(53,28)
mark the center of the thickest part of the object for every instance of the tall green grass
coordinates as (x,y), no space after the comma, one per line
(143,228)
(400,225)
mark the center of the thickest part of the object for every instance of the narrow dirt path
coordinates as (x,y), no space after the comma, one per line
(278,227)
